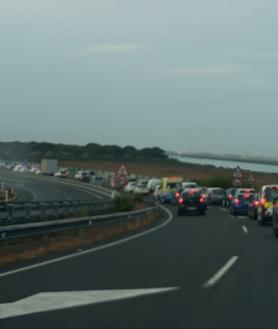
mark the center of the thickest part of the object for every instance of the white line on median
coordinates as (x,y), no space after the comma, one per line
(245,230)
(218,276)
(92,250)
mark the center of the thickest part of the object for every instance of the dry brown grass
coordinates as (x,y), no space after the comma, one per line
(29,248)
(189,172)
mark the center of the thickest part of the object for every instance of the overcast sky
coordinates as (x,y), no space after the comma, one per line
(192,75)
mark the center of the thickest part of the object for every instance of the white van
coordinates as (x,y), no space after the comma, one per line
(152,183)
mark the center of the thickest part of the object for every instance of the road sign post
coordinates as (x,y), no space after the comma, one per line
(237,177)
(251,180)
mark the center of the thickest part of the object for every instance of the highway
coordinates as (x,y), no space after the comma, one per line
(38,188)
(212,271)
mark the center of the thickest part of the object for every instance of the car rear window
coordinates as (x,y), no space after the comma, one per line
(246,197)
(191,194)
(218,192)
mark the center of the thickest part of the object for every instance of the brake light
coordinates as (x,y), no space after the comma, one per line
(202,199)
(256,203)
(246,196)
(263,202)
(181,201)
(237,201)
(230,197)
(177,195)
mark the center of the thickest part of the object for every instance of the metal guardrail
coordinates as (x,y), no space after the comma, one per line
(27,212)
(12,232)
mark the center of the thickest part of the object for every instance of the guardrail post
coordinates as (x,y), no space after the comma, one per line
(43,210)
(46,240)
(10,212)
(27,211)
(65,208)
(81,234)
(55,209)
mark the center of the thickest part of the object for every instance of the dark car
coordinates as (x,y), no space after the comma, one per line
(192,200)
(253,207)
(230,194)
(240,204)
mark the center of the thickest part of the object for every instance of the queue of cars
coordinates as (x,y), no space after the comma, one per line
(261,206)
(189,197)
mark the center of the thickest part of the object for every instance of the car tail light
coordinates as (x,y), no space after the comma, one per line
(263,202)
(256,203)
(202,199)
(237,201)
(177,195)
(181,201)
(230,197)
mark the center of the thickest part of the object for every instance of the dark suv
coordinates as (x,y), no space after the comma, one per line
(192,200)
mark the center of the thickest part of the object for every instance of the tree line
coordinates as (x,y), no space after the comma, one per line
(35,151)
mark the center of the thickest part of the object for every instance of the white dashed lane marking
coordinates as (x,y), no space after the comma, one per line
(245,230)
(219,275)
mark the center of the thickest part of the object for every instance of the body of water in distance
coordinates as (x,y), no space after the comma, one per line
(256,167)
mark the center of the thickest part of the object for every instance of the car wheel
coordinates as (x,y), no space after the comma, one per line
(275,232)
(260,220)
(233,212)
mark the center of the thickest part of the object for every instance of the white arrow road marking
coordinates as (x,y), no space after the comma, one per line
(218,276)
(52,301)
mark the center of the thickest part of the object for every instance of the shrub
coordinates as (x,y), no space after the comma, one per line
(217,181)
(124,203)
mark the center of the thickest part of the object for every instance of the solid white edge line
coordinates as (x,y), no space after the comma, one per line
(92,250)
(244,228)
(218,275)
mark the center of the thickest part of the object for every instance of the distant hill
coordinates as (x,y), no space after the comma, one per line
(34,151)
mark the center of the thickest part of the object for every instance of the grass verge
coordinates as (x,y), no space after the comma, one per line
(30,248)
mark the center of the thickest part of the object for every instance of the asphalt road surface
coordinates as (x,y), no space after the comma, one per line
(36,188)
(218,272)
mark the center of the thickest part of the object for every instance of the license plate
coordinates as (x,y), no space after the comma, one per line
(191,208)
